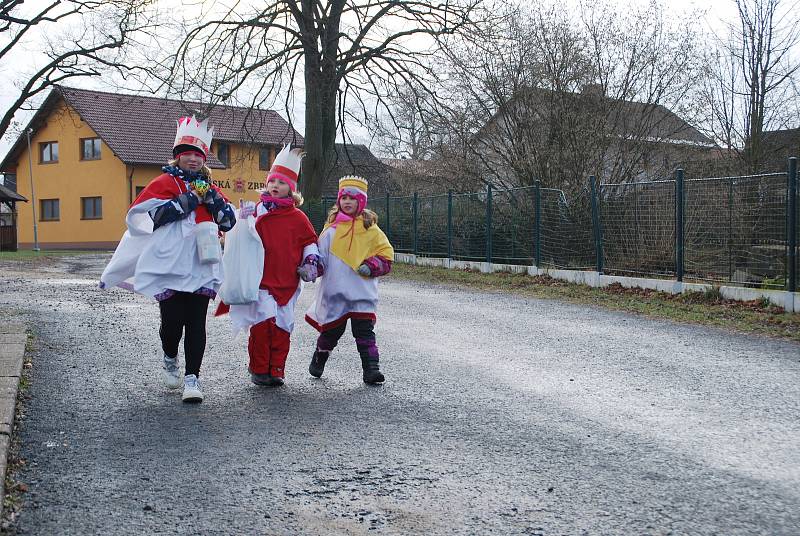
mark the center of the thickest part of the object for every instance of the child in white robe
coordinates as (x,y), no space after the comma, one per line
(355,252)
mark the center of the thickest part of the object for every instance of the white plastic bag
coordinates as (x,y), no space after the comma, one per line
(242,263)
(208,248)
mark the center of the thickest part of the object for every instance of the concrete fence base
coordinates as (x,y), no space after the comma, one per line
(790,301)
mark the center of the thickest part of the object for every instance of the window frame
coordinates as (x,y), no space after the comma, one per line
(268,152)
(226,161)
(94,207)
(42,146)
(42,211)
(82,147)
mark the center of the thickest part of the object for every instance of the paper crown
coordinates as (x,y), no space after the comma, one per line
(192,134)
(353,181)
(287,166)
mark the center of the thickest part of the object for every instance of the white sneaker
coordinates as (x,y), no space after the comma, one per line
(172,372)
(192,390)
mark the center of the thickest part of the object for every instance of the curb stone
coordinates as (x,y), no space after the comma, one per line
(12,353)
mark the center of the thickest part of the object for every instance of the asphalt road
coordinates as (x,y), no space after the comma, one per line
(500,415)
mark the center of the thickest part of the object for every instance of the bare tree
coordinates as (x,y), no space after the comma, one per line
(556,99)
(753,77)
(407,128)
(349,55)
(79,38)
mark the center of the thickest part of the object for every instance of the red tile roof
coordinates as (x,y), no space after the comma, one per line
(141,130)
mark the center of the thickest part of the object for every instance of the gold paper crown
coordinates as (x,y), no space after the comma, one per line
(353,181)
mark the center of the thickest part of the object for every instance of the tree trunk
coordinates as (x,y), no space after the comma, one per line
(321,43)
(320,134)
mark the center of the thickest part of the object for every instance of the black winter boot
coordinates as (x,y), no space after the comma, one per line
(318,360)
(372,371)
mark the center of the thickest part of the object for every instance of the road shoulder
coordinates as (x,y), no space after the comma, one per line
(12,353)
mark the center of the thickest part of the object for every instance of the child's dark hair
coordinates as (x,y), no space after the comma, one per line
(370,218)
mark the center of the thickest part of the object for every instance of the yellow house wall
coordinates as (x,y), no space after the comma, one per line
(109,178)
(68,180)
(241,180)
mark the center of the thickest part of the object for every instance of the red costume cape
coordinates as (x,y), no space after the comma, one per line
(284,233)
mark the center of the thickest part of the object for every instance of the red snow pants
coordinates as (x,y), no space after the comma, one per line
(268,347)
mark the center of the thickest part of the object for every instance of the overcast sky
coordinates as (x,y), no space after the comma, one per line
(20,60)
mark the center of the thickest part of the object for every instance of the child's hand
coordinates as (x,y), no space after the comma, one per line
(308,273)
(246,209)
(375,267)
(212,196)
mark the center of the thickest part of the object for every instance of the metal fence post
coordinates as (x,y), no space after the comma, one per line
(415,222)
(388,221)
(637,224)
(489,223)
(430,227)
(791,222)
(449,224)
(730,229)
(679,201)
(598,231)
(537,224)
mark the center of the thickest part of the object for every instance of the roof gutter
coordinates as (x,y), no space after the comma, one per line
(130,186)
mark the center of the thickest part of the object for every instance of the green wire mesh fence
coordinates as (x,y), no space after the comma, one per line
(566,230)
(734,229)
(639,227)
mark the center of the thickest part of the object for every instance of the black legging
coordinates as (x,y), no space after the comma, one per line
(187,310)
(363,331)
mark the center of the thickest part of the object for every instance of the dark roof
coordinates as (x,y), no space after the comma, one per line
(7,194)
(658,123)
(141,130)
(778,145)
(783,141)
(352,159)
(647,122)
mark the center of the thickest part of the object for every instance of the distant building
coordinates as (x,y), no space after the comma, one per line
(93,152)
(778,146)
(564,133)
(352,159)
(8,213)
(425,177)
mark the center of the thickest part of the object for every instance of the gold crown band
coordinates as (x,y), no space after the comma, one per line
(353,181)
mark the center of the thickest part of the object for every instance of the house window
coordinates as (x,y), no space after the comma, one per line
(90,149)
(91,208)
(48,210)
(139,190)
(223,153)
(263,158)
(48,152)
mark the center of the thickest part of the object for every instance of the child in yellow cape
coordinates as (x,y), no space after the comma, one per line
(355,252)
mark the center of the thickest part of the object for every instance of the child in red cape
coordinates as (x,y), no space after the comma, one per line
(158,255)
(290,254)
